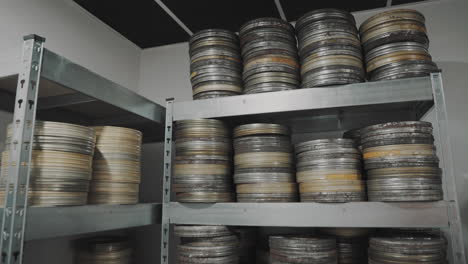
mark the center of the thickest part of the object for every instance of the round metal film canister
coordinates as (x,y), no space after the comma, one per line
(408,248)
(396,25)
(201,231)
(329,48)
(108,250)
(302,249)
(61,163)
(117,166)
(215,64)
(269,53)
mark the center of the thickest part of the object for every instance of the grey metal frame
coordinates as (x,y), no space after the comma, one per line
(356,214)
(76,220)
(16,193)
(424,90)
(359,94)
(37,64)
(60,70)
(452,196)
(166,190)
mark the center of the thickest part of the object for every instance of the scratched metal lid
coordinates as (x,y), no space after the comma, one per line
(202,231)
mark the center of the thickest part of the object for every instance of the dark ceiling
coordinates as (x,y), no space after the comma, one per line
(146,24)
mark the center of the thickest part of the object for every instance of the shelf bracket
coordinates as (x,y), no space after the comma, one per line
(24,117)
(166,199)
(450,181)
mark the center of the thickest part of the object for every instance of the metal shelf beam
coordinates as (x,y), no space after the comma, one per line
(355,214)
(66,73)
(50,222)
(71,93)
(353,95)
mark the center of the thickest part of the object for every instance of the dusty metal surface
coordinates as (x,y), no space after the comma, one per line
(269,54)
(215,64)
(329,48)
(303,249)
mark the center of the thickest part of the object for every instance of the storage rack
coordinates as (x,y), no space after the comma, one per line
(321,110)
(71,93)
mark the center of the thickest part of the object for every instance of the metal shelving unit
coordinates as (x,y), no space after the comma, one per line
(76,220)
(323,110)
(357,214)
(51,87)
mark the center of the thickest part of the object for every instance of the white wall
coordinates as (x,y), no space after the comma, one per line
(164,73)
(73,33)
(70,32)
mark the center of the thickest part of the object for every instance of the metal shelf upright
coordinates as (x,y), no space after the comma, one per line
(51,87)
(322,110)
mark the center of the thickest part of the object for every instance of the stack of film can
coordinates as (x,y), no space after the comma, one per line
(396,45)
(351,244)
(215,64)
(108,250)
(269,53)
(401,162)
(329,170)
(207,244)
(302,249)
(247,243)
(116,166)
(408,247)
(61,163)
(329,48)
(263,159)
(3,176)
(202,170)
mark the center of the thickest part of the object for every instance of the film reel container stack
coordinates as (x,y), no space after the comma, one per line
(61,163)
(269,53)
(396,45)
(215,64)
(207,244)
(302,249)
(104,250)
(116,166)
(329,48)
(408,247)
(401,162)
(202,167)
(329,171)
(3,176)
(351,244)
(263,159)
